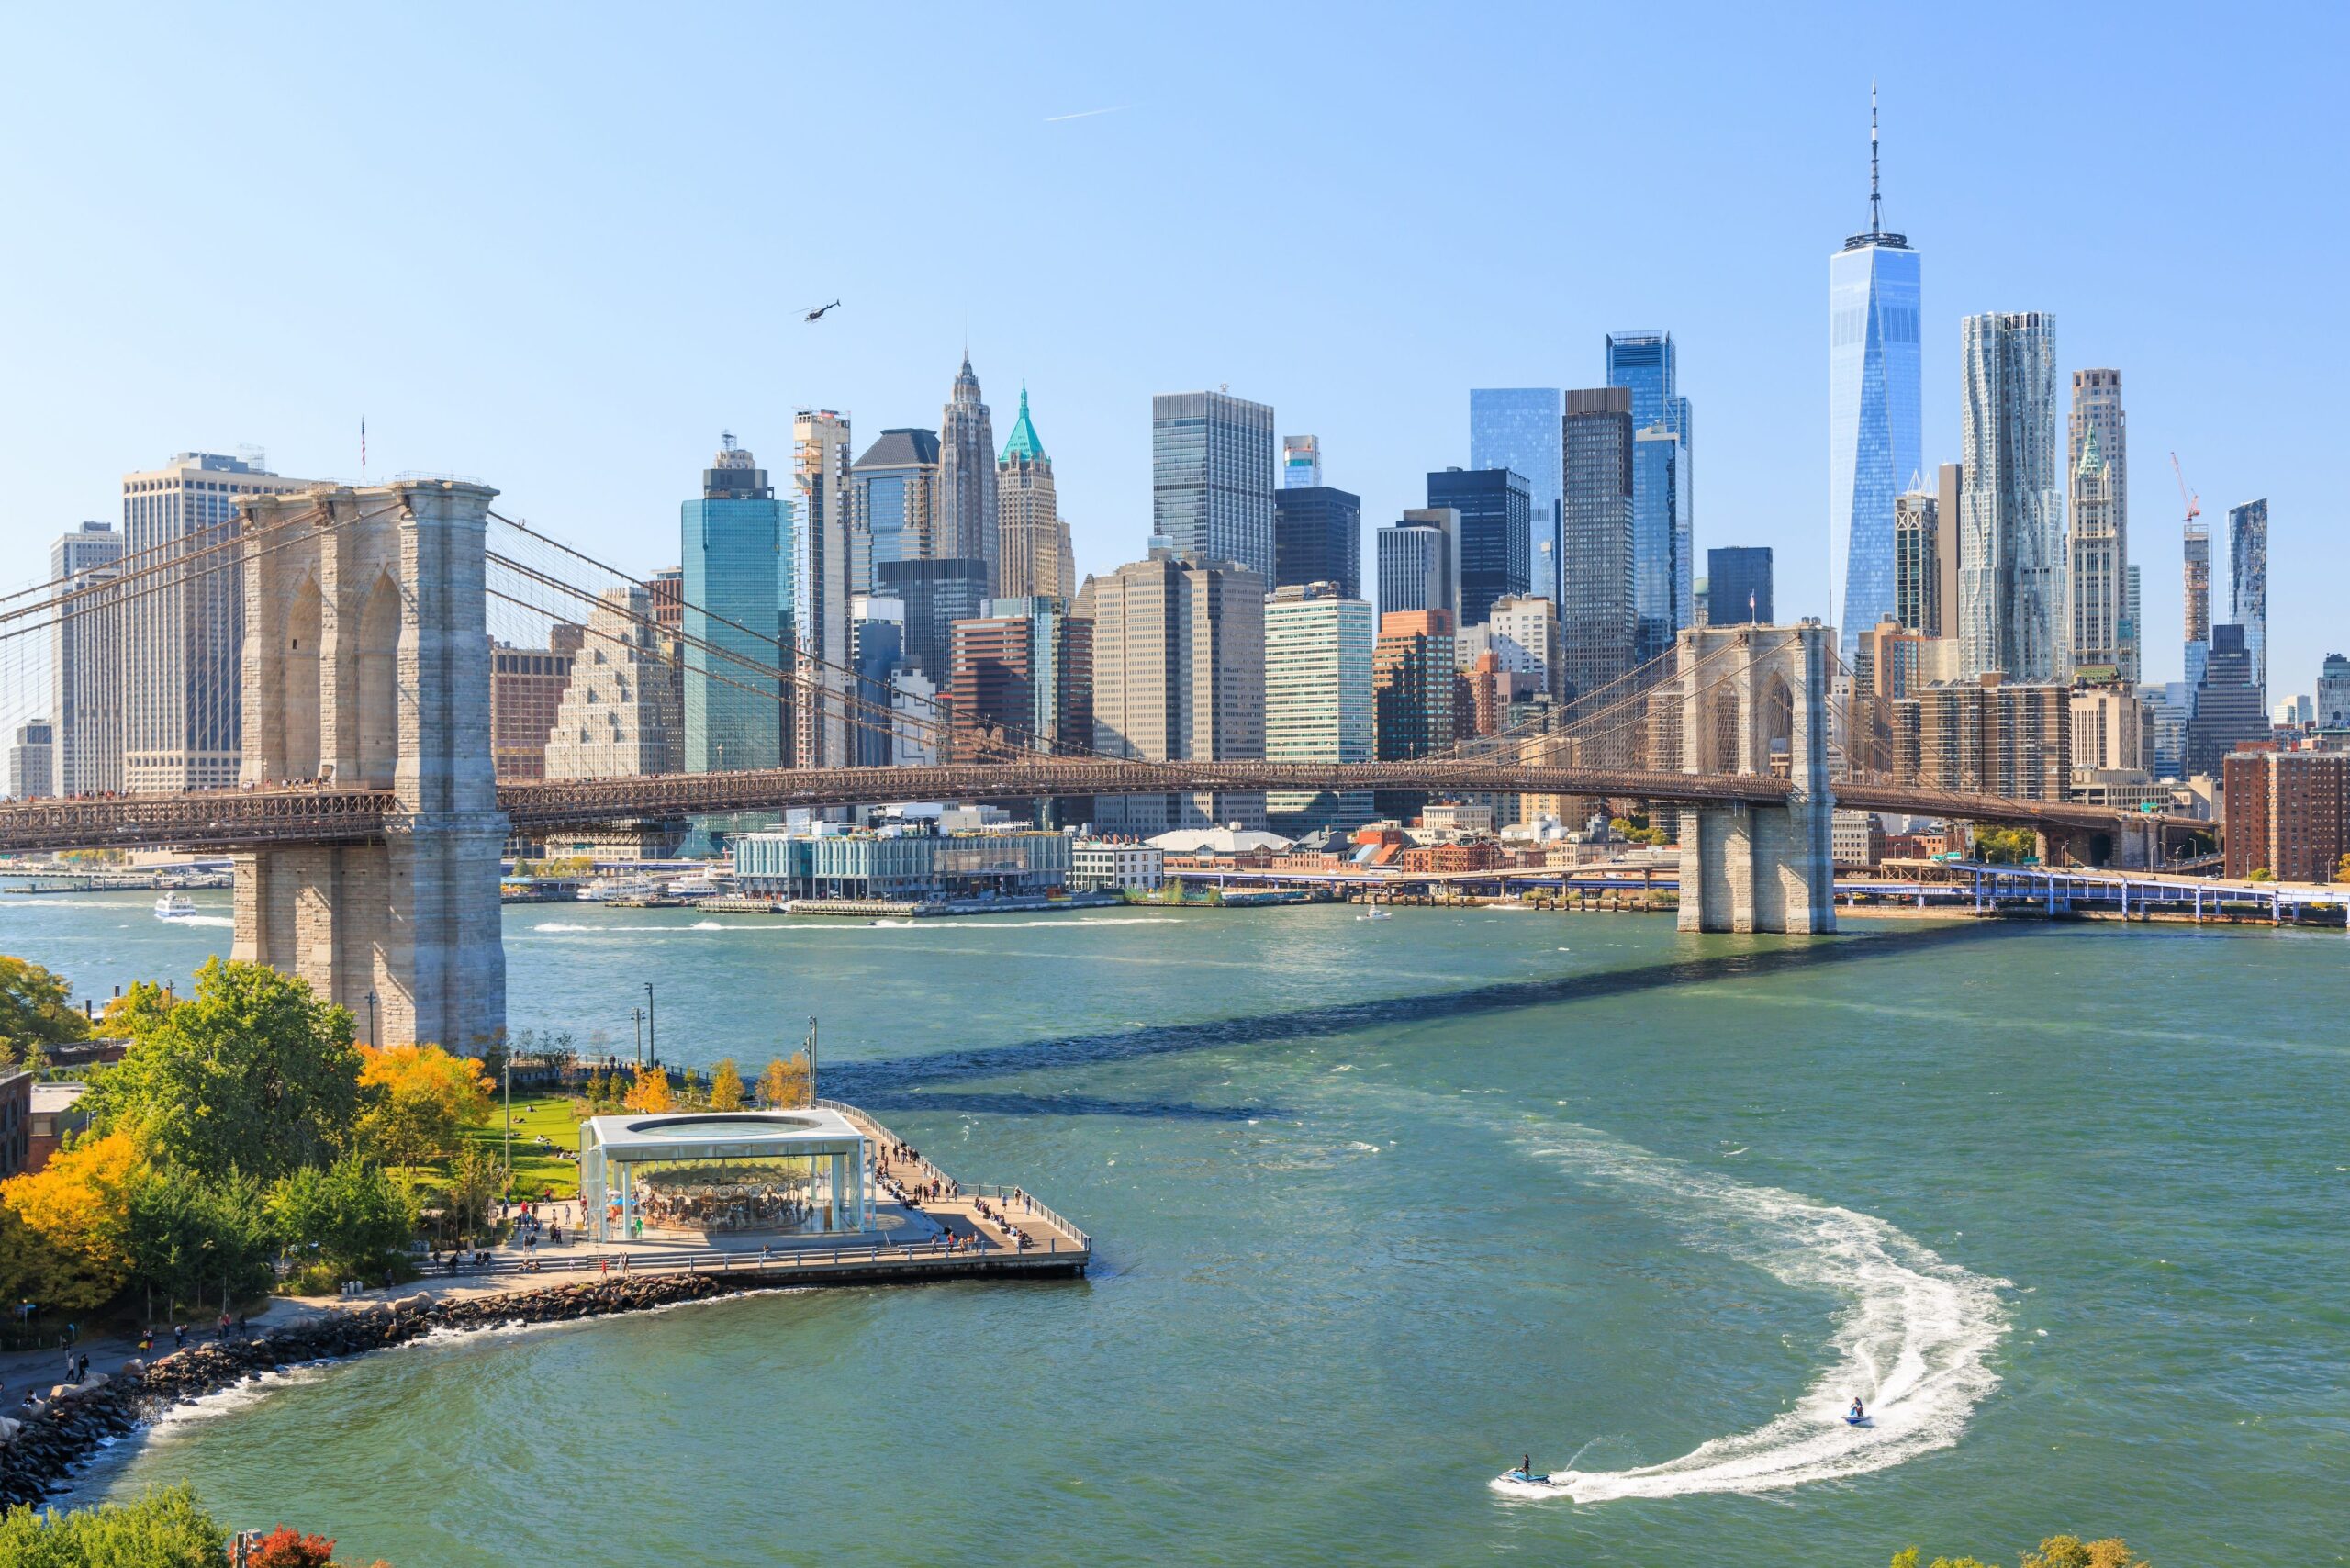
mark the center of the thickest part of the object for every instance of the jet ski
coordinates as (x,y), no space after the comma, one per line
(1859,1420)
(1525,1479)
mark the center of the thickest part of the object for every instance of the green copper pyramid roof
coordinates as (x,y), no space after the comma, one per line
(2092,461)
(1023,442)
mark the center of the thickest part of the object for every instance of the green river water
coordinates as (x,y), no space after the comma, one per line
(1380,1205)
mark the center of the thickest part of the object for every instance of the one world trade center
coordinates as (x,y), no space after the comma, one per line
(1872,392)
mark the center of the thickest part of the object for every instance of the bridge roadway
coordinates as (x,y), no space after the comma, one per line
(242,819)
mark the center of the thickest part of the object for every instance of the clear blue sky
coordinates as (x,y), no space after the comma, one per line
(561,249)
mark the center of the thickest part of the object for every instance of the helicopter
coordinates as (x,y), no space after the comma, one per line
(817,313)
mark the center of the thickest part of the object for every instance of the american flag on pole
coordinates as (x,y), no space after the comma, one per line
(363,448)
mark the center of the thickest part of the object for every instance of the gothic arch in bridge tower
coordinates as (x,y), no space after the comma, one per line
(1747,692)
(367,666)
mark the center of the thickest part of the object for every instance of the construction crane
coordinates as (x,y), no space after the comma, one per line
(2194,502)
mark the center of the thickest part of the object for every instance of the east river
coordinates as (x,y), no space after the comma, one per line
(1381,1205)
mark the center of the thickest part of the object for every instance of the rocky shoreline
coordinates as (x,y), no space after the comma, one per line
(39,1453)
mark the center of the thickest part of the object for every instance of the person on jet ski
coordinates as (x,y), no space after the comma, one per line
(1857,1413)
(1525,1465)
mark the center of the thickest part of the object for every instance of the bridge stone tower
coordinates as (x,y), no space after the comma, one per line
(367,665)
(1747,868)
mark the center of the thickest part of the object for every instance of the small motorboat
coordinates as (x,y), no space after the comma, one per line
(174,906)
(1374,912)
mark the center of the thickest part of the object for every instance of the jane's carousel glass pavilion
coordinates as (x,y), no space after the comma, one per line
(723,1173)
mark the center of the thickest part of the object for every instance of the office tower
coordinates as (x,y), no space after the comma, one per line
(2334,693)
(2097,410)
(2095,568)
(85,662)
(1179,672)
(1663,487)
(1518,428)
(877,639)
(1595,609)
(963,505)
(1737,585)
(1482,692)
(917,710)
(2248,585)
(820,589)
(1412,692)
(2296,713)
(526,688)
(1023,680)
(32,761)
(890,491)
(2011,503)
(1873,401)
(1704,601)
(2227,707)
(936,594)
(184,643)
(1301,463)
(1522,629)
(1495,507)
(2110,728)
(1317,701)
(619,716)
(1657,574)
(1419,561)
(1988,736)
(1917,548)
(2133,622)
(735,616)
(2288,814)
(2169,707)
(1212,478)
(2196,561)
(1317,538)
(1032,541)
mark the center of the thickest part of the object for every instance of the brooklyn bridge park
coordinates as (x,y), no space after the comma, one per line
(1373,1208)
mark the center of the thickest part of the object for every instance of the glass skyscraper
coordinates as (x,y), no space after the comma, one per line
(1598,621)
(1212,478)
(1873,397)
(2248,586)
(737,622)
(1496,506)
(1518,428)
(2011,598)
(1317,538)
(1663,526)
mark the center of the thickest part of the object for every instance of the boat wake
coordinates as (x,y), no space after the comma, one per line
(1913,1339)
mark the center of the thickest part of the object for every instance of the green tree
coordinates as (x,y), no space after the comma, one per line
(34,1009)
(2072,1551)
(186,1235)
(164,1529)
(350,1214)
(474,1183)
(2005,846)
(725,1086)
(2261,874)
(253,1074)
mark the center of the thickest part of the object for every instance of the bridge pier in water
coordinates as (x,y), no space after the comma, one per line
(1747,866)
(368,665)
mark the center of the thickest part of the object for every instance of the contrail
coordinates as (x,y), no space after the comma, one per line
(1086,113)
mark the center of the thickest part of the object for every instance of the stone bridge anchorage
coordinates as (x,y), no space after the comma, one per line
(368,833)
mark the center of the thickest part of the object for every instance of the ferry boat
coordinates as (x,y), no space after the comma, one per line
(174,906)
(605,889)
(708,882)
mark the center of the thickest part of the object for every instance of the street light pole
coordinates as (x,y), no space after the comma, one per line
(371,1021)
(652,1031)
(638,1014)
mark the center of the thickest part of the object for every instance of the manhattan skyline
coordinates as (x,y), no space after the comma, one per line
(584,363)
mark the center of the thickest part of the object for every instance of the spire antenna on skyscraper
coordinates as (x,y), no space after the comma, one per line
(1876,219)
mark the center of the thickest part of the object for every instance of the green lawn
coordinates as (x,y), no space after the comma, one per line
(535,1171)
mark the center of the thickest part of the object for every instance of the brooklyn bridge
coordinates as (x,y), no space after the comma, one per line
(366,681)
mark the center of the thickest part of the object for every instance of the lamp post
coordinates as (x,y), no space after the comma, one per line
(651,1034)
(638,1014)
(371,1020)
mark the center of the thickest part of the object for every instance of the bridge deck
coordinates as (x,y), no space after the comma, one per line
(231,819)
